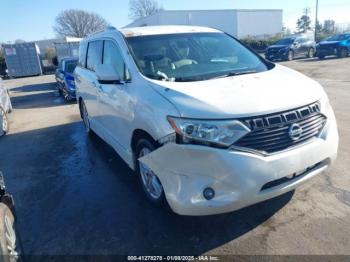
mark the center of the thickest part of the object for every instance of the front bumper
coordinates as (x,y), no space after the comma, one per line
(239,179)
(277,55)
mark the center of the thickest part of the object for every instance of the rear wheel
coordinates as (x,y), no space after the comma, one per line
(342,52)
(149,181)
(4,123)
(85,116)
(311,53)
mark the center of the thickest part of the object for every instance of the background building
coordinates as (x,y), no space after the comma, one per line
(240,23)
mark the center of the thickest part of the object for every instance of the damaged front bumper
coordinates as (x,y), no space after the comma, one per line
(239,179)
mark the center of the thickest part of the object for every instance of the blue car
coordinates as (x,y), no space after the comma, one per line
(291,47)
(65,78)
(338,45)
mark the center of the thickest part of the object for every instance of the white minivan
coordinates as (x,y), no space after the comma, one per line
(208,125)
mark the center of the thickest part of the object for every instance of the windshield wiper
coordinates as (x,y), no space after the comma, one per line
(235,73)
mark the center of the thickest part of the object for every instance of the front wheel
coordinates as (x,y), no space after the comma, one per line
(149,181)
(4,123)
(66,95)
(8,238)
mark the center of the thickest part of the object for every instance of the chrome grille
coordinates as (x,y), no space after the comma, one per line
(271,133)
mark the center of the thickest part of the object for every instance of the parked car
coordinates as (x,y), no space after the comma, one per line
(338,45)
(10,248)
(5,108)
(208,126)
(65,78)
(290,48)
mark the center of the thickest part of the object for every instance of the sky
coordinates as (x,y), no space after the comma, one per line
(33,20)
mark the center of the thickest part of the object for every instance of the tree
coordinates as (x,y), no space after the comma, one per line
(143,8)
(304,22)
(78,23)
(329,27)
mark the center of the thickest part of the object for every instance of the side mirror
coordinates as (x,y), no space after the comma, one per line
(107,74)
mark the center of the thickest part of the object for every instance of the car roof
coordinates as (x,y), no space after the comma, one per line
(165,29)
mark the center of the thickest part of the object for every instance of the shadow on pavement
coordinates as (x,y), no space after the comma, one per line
(42,96)
(316,59)
(74,195)
(34,88)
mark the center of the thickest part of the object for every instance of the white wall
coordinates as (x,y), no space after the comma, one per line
(259,23)
(239,23)
(224,20)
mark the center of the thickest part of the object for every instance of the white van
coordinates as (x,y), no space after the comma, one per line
(208,125)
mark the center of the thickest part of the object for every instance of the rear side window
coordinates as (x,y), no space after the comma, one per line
(82,54)
(94,54)
(112,56)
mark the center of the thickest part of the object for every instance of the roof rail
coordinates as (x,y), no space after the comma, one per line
(108,28)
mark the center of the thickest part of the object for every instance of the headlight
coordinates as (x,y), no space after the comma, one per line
(217,132)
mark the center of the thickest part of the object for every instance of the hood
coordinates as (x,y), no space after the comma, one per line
(277,46)
(240,96)
(69,76)
(329,42)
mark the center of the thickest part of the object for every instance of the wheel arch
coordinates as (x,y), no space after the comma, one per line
(138,134)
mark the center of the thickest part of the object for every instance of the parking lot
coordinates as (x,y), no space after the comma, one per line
(74,195)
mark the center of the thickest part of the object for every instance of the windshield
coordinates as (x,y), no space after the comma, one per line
(285,41)
(338,37)
(70,66)
(192,56)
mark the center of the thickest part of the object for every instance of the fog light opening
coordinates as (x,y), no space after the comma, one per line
(208,193)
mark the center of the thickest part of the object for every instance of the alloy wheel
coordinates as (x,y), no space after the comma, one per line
(311,53)
(4,125)
(149,180)
(85,117)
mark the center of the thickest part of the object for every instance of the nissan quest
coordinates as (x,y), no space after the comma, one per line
(207,125)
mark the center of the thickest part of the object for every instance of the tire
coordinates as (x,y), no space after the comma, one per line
(4,123)
(311,52)
(290,55)
(153,192)
(66,95)
(85,116)
(8,238)
(59,89)
(342,52)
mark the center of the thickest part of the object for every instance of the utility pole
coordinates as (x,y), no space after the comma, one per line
(307,11)
(316,20)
